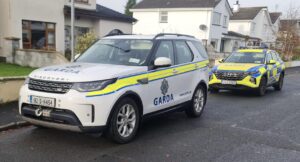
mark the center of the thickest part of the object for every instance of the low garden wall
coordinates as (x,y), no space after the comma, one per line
(38,58)
(9,89)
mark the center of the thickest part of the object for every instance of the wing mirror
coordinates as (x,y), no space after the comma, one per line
(162,62)
(221,61)
(272,62)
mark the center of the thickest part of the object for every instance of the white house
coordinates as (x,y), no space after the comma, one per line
(275,18)
(254,22)
(44,25)
(205,19)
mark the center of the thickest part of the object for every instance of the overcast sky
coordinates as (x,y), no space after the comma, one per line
(282,5)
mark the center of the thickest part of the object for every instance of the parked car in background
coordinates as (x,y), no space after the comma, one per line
(249,69)
(116,83)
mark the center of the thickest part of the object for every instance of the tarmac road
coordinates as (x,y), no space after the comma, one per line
(236,126)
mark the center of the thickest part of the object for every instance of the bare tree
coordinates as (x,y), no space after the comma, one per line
(289,34)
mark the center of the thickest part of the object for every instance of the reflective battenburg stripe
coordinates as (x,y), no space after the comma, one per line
(153,75)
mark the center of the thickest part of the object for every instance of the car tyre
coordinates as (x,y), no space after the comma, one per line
(195,109)
(261,91)
(278,86)
(124,122)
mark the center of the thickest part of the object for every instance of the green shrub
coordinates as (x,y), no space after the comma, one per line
(84,41)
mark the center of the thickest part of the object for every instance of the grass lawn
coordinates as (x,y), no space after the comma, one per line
(7,70)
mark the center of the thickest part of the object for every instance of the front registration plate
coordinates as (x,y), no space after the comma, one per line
(42,101)
(228,82)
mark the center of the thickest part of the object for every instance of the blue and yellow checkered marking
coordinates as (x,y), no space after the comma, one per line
(132,80)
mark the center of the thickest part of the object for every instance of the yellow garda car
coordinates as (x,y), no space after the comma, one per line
(248,69)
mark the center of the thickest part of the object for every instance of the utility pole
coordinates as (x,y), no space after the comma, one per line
(72,29)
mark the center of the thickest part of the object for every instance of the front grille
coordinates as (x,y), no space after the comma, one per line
(224,75)
(49,86)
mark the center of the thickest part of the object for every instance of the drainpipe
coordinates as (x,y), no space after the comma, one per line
(72,30)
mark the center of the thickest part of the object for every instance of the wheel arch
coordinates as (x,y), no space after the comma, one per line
(130,94)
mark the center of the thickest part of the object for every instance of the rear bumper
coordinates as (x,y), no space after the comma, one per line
(58,119)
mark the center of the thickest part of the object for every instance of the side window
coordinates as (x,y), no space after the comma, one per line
(183,53)
(274,56)
(165,49)
(269,57)
(201,50)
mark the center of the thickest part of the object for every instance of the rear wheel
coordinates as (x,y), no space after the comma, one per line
(261,91)
(279,84)
(198,103)
(124,122)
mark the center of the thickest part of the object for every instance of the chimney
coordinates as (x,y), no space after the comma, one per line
(236,7)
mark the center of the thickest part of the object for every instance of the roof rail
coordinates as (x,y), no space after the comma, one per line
(178,35)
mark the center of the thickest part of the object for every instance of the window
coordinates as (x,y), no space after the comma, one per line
(163,17)
(38,35)
(269,57)
(217,18)
(183,52)
(200,49)
(225,21)
(82,1)
(78,31)
(165,49)
(127,52)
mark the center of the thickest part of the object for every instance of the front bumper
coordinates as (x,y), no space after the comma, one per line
(72,111)
(240,84)
(58,119)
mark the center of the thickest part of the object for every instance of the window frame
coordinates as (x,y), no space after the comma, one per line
(214,18)
(82,1)
(163,14)
(225,21)
(47,31)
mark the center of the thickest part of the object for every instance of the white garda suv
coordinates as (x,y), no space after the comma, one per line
(116,83)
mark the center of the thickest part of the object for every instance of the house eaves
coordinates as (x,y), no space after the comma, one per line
(101,12)
(147,4)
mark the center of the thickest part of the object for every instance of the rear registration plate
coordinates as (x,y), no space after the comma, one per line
(42,101)
(228,82)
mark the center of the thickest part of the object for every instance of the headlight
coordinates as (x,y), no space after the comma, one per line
(26,81)
(92,86)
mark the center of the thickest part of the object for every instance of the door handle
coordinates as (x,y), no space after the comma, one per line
(143,81)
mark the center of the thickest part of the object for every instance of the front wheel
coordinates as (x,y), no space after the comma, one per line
(124,122)
(279,84)
(261,91)
(198,103)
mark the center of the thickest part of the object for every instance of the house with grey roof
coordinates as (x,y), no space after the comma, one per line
(43,26)
(207,20)
(254,22)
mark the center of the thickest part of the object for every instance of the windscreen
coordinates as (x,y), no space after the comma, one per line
(246,57)
(118,52)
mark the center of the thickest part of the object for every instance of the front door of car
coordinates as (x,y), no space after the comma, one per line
(271,69)
(277,70)
(159,92)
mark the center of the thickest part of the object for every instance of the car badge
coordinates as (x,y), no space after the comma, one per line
(164,87)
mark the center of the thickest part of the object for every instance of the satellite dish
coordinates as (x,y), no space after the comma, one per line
(203,27)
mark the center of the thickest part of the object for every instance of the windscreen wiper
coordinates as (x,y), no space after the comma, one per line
(124,50)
